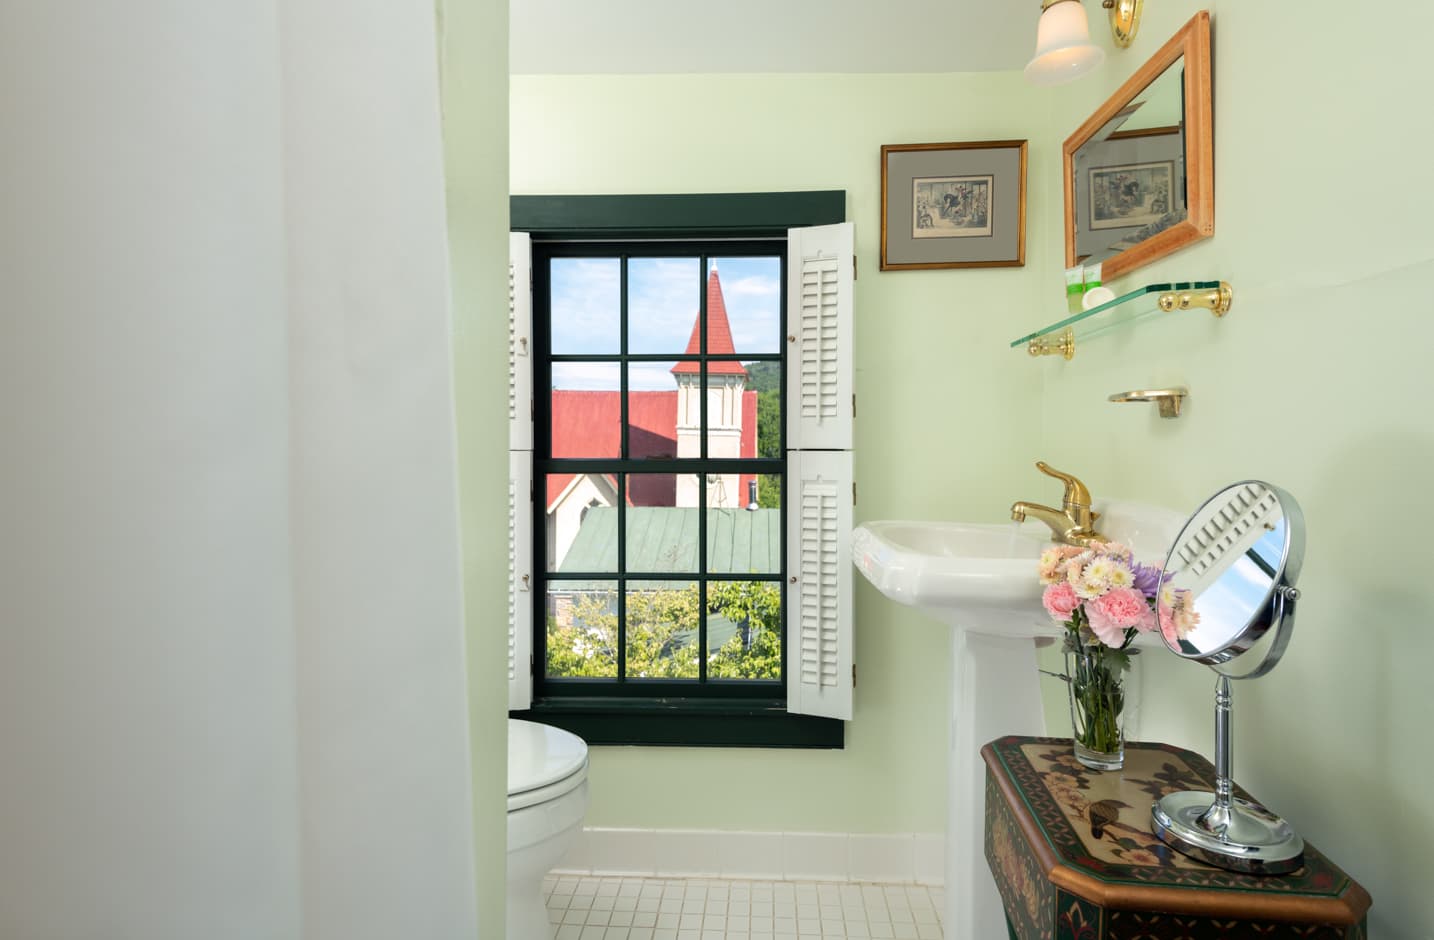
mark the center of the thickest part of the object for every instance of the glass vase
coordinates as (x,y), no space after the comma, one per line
(1098,680)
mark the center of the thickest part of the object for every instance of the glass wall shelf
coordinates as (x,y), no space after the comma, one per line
(1060,337)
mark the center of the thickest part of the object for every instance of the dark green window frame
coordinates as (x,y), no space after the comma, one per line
(732,713)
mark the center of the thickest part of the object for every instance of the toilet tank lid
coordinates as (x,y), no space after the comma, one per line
(540,755)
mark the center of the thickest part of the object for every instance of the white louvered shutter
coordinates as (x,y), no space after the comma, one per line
(819,317)
(520,471)
(520,579)
(520,354)
(820,407)
(819,599)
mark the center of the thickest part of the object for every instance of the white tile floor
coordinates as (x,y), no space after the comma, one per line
(596,908)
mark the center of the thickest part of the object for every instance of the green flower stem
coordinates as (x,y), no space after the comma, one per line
(1097,697)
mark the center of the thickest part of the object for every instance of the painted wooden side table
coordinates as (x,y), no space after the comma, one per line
(1074,857)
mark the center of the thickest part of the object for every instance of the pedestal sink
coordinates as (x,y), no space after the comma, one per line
(980,579)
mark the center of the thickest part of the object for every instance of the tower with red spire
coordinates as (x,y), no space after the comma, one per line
(725,383)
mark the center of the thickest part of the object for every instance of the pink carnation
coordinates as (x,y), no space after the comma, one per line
(1167,626)
(1116,611)
(1060,601)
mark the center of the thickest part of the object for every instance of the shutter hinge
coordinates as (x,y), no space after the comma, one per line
(530,278)
(853,404)
(853,675)
(853,267)
(532,668)
(853,492)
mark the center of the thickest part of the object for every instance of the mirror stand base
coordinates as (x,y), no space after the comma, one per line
(1251,838)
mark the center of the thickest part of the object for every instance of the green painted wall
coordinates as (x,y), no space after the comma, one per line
(473,58)
(1312,382)
(1316,382)
(944,421)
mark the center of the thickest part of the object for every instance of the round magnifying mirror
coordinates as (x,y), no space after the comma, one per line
(1229,603)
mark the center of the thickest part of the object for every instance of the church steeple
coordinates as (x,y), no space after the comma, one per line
(725,383)
(719,335)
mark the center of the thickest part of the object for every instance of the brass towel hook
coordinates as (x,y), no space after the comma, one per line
(1167,399)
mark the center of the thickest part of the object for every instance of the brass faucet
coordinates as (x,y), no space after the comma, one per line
(1071,523)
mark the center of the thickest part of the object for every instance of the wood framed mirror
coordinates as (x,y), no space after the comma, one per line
(1140,172)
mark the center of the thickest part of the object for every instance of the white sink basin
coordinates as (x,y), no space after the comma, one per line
(981,580)
(978,576)
(982,576)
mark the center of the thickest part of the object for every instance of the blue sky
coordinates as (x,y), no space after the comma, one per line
(662,306)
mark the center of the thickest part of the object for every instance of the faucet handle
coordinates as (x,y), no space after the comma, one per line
(1076,492)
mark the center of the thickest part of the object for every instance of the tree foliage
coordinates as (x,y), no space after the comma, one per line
(662,632)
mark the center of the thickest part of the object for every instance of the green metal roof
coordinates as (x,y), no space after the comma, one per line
(664,539)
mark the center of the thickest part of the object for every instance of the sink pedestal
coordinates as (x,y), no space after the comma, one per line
(980,579)
(995,690)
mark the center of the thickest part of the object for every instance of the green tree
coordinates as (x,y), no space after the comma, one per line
(755,651)
(662,630)
(765,378)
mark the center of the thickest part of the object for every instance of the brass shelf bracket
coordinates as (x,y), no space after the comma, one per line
(1168,400)
(1054,344)
(1217,301)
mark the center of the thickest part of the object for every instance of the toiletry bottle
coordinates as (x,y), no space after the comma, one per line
(1092,276)
(1095,294)
(1075,287)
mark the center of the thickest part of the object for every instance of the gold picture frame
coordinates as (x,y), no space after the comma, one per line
(953,205)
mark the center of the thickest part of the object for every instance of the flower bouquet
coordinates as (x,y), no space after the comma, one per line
(1105,598)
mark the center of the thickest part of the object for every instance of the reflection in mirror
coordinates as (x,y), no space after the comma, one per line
(1229,557)
(1228,601)
(1139,173)
(1129,178)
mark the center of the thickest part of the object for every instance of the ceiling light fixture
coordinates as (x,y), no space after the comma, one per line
(1064,51)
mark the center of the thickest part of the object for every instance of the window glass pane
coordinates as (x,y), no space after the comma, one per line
(662,629)
(744,630)
(662,298)
(660,404)
(662,522)
(742,422)
(586,409)
(581,522)
(586,305)
(582,629)
(748,540)
(744,305)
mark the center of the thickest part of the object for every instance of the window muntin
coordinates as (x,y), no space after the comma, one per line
(699,564)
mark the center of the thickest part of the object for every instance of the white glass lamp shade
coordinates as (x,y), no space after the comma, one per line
(1064,51)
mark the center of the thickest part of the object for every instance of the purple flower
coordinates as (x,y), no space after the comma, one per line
(1147,579)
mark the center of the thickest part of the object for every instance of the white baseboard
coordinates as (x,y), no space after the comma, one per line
(902,858)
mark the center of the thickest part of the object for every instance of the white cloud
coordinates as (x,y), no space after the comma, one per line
(586,305)
(651,377)
(586,376)
(751,287)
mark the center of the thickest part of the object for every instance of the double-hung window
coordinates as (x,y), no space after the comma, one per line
(679,564)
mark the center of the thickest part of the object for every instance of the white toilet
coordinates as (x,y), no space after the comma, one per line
(547,799)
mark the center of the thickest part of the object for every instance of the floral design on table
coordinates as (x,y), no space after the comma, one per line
(1098,823)
(1110,828)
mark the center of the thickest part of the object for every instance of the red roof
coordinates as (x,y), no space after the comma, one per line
(719,336)
(588,424)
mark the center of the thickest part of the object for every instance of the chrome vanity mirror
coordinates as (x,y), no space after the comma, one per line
(1139,173)
(1233,565)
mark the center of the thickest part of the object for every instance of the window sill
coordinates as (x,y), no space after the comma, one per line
(676,722)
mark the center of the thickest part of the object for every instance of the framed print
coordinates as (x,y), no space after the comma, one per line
(953,205)
(1133,194)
